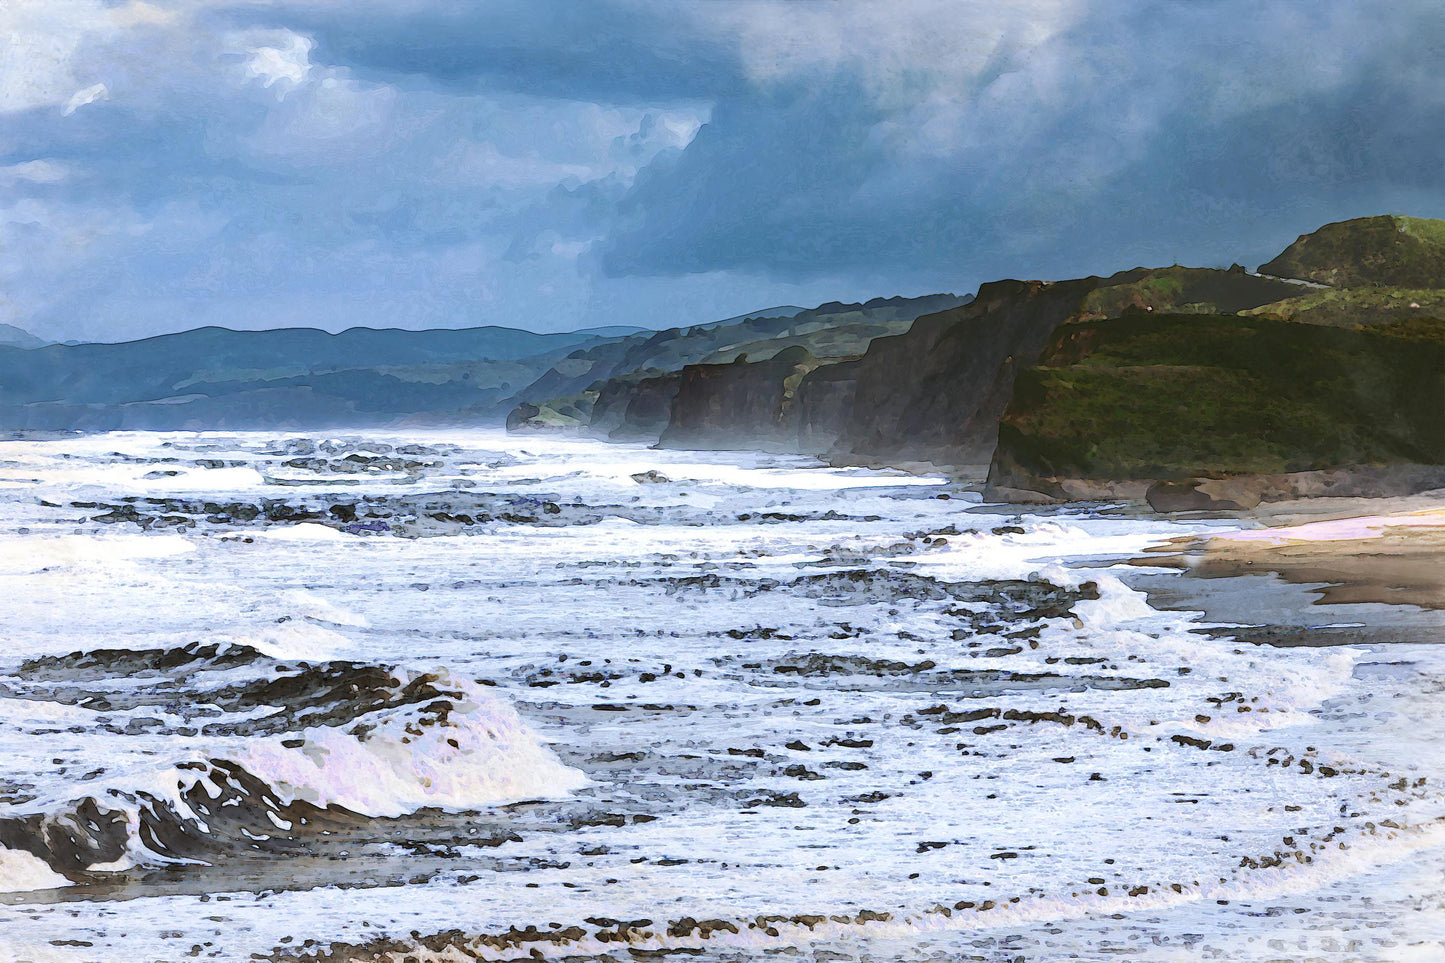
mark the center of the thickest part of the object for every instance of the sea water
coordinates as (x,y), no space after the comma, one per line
(457,695)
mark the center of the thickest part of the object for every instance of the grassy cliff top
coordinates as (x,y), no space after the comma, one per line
(1172,396)
(1357,307)
(1386,250)
(1184,290)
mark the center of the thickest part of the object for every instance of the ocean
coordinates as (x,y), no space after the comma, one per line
(446,695)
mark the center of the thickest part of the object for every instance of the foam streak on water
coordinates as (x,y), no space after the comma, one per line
(463,695)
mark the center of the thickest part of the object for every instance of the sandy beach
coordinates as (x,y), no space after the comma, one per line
(1316,572)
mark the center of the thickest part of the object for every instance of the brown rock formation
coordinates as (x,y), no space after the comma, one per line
(937,392)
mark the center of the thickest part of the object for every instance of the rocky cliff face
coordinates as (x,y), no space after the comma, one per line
(1151,378)
(829,331)
(1336,389)
(739,405)
(822,408)
(635,409)
(936,393)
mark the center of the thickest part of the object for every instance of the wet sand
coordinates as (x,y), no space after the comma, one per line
(1361,572)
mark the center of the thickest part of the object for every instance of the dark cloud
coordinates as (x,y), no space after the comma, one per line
(1206,136)
(553,164)
(598,50)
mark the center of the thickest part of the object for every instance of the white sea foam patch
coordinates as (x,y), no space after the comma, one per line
(21,872)
(305,532)
(204,480)
(1122,620)
(615,466)
(479,753)
(30,555)
(981,553)
(1116,605)
(143,478)
(37,952)
(305,604)
(293,639)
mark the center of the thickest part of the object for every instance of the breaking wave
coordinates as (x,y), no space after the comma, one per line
(364,742)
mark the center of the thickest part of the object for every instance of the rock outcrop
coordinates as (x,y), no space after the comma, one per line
(739,405)
(635,409)
(1387,250)
(936,393)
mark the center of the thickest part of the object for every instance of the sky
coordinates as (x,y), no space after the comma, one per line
(556,164)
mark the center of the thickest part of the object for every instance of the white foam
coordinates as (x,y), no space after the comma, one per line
(22,872)
(86,553)
(30,952)
(293,639)
(310,605)
(393,770)
(305,532)
(1116,605)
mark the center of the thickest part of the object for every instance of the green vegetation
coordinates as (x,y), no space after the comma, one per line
(1357,307)
(1428,230)
(1174,396)
(1388,250)
(1184,290)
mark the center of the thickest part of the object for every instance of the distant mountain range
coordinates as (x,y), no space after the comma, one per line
(13,337)
(303,377)
(217,377)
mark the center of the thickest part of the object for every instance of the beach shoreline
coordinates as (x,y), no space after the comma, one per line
(1313,572)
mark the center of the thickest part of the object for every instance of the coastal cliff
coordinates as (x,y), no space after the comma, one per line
(609,391)
(1169,406)
(630,409)
(739,405)
(1337,388)
(935,393)
(1192,387)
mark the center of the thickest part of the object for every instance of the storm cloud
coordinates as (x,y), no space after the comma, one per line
(421,163)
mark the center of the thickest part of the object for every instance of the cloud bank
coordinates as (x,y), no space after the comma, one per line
(421,163)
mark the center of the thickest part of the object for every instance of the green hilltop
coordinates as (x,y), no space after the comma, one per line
(1388,250)
(1347,376)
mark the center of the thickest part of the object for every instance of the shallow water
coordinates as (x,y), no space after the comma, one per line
(261,693)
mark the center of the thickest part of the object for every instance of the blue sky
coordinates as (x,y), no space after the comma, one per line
(552,165)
